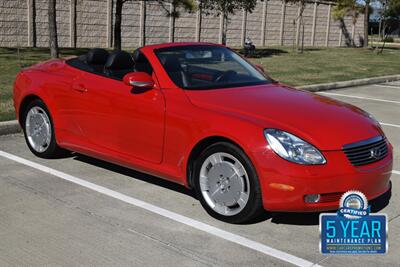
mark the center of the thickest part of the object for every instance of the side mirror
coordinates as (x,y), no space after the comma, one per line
(140,80)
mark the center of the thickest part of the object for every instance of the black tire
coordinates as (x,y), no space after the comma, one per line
(254,206)
(52,150)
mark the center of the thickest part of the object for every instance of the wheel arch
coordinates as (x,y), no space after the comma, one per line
(24,104)
(198,149)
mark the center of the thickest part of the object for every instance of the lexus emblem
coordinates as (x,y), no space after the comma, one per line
(375,153)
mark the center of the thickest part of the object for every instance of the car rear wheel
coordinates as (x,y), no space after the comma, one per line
(227,184)
(39,131)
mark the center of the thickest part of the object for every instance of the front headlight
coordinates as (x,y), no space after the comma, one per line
(292,148)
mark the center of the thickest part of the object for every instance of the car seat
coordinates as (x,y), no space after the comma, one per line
(175,71)
(118,64)
(96,58)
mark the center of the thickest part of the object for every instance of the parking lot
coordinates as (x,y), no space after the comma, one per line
(82,211)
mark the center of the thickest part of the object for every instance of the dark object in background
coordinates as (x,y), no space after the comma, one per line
(53,42)
(249,47)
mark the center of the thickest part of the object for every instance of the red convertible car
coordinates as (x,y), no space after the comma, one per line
(200,115)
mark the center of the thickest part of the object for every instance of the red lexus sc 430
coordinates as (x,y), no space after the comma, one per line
(200,115)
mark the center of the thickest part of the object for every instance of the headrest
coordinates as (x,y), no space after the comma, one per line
(119,60)
(171,64)
(96,56)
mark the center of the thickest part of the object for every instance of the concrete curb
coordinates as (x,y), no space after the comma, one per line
(9,127)
(358,82)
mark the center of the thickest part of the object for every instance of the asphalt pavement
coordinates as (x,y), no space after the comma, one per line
(82,211)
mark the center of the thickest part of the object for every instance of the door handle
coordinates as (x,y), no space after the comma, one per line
(79,88)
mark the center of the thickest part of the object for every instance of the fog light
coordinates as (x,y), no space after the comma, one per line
(313,198)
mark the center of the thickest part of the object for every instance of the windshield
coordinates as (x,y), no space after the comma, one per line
(208,67)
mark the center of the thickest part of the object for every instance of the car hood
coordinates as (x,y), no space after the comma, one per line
(326,123)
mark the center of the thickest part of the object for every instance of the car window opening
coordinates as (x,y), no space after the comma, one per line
(208,67)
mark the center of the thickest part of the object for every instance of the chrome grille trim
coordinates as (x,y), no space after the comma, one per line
(366,151)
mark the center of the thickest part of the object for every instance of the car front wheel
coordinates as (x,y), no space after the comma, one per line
(227,184)
(39,131)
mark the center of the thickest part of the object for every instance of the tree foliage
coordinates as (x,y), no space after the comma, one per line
(227,6)
(389,13)
(392,10)
(389,16)
(177,6)
(351,8)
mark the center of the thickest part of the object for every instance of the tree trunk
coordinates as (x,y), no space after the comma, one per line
(117,24)
(33,23)
(172,14)
(73,23)
(347,38)
(300,28)
(53,43)
(200,18)
(380,29)
(225,29)
(302,35)
(366,22)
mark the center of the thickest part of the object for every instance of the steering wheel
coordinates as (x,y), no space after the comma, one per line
(225,76)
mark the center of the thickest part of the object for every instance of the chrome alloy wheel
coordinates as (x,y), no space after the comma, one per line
(224,184)
(38,129)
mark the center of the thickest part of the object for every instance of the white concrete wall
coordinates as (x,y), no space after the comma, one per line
(92,24)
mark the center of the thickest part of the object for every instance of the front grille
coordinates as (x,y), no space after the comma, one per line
(367,151)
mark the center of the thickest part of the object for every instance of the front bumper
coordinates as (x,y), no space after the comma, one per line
(284,184)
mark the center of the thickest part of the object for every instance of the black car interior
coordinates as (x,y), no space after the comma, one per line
(113,65)
(118,64)
(174,69)
(96,58)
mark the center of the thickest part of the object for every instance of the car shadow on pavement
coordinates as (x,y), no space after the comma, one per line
(134,174)
(290,218)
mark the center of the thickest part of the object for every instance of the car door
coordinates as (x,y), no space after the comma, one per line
(115,119)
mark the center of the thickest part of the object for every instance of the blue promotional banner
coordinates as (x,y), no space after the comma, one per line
(365,235)
(353,229)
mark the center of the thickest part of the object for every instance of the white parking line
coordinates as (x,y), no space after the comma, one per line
(390,124)
(375,99)
(388,86)
(237,239)
(361,97)
(396,172)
